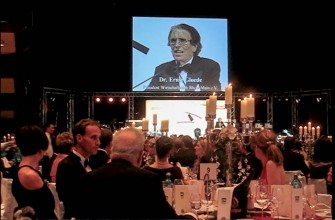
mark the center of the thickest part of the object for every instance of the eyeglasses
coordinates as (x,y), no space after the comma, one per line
(181,41)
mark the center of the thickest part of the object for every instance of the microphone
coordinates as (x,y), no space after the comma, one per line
(158,74)
(155,75)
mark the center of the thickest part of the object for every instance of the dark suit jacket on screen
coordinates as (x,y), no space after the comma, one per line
(119,190)
(204,74)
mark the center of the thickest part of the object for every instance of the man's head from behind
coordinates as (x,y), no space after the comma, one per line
(128,144)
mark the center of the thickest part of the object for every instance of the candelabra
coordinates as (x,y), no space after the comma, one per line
(155,127)
(165,132)
(229,170)
(247,129)
(210,122)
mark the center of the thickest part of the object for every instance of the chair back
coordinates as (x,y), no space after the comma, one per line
(59,206)
(320,185)
(8,199)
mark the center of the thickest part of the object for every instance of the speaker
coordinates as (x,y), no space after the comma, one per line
(7,43)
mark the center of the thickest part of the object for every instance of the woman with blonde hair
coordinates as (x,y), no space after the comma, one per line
(203,152)
(266,150)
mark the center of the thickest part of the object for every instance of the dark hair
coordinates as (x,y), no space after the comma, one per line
(47,124)
(321,149)
(30,139)
(80,127)
(163,146)
(106,137)
(195,36)
(289,143)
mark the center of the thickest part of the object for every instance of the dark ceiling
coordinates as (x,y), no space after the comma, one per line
(87,46)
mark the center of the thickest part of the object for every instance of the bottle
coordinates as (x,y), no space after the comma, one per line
(167,182)
(296,183)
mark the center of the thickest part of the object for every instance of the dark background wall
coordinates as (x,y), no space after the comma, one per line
(272,48)
(87,46)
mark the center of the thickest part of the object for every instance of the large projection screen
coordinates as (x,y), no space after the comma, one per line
(177,111)
(150,45)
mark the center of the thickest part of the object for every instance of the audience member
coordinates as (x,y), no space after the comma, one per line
(49,131)
(203,152)
(28,186)
(64,145)
(102,156)
(50,155)
(322,159)
(26,213)
(266,150)
(86,134)
(183,152)
(292,160)
(161,166)
(136,190)
(298,148)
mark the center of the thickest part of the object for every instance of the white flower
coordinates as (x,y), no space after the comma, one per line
(230,131)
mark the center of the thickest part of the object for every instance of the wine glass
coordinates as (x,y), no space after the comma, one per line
(311,198)
(277,198)
(195,200)
(263,196)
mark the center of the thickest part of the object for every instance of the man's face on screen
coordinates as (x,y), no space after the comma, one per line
(181,47)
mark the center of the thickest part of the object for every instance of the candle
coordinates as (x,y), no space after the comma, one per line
(250,107)
(305,130)
(229,94)
(145,124)
(313,131)
(300,130)
(243,109)
(318,131)
(309,126)
(164,125)
(212,105)
(154,119)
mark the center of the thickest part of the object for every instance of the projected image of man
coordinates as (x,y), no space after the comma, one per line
(188,71)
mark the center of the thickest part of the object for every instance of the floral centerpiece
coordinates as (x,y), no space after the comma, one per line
(236,166)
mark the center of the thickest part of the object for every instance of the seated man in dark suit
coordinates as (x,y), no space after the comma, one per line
(138,191)
(188,71)
(219,123)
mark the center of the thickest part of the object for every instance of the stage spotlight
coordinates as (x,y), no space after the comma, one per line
(97,99)
(297,100)
(318,99)
(110,100)
(123,100)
